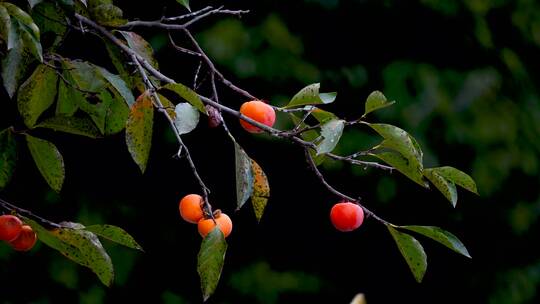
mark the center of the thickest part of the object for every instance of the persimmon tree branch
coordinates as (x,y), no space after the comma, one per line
(159,105)
(163,23)
(144,67)
(330,188)
(12,208)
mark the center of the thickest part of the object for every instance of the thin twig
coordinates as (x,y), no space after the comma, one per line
(213,68)
(186,16)
(12,208)
(313,166)
(205,190)
(178,27)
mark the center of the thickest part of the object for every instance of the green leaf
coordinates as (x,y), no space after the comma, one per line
(34,2)
(442,236)
(244,176)
(184,3)
(139,130)
(400,141)
(15,65)
(261,190)
(118,60)
(310,96)
(168,105)
(412,252)
(119,85)
(115,234)
(27,30)
(403,165)
(140,46)
(117,115)
(90,248)
(447,188)
(188,94)
(48,160)
(458,177)
(86,75)
(98,110)
(5,28)
(8,156)
(107,14)
(69,97)
(48,238)
(187,118)
(37,94)
(323,116)
(375,101)
(44,14)
(22,38)
(331,132)
(310,135)
(72,125)
(210,261)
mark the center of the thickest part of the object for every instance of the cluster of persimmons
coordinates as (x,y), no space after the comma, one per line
(18,235)
(345,216)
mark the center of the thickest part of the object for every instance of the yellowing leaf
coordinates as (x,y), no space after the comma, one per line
(261,190)
(139,130)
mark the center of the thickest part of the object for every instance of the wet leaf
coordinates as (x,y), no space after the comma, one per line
(331,132)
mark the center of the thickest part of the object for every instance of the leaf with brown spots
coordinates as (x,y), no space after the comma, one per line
(139,130)
(412,252)
(261,190)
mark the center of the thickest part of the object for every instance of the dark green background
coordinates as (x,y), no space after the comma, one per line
(464,75)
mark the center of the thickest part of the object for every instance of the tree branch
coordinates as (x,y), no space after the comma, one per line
(313,166)
(12,208)
(142,64)
(183,146)
(197,16)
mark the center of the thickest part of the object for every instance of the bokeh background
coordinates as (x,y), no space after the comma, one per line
(465,77)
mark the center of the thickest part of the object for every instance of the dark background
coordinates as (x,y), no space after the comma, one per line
(464,75)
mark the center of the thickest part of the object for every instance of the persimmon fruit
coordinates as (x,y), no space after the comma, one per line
(223,221)
(26,239)
(10,227)
(346,216)
(258,111)
(190,207)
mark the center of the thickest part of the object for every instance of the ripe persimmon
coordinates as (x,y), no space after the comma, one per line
(223,221)
(10,227)
(346,216)
(26,239)
(258,111)
(190,207)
